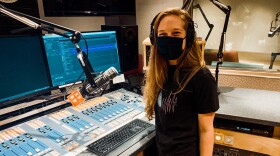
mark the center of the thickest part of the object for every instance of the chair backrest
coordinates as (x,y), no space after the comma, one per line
(228,56)
(135,83)
(231,56)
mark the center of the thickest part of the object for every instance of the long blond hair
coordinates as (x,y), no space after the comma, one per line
(156,75)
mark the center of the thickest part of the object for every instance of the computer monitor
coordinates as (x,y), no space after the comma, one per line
(23,70)
(62,56)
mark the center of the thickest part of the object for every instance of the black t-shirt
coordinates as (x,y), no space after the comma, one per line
(177,115)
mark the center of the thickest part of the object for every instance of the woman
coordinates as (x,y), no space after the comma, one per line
(179,90)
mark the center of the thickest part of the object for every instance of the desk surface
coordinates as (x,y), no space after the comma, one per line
(250,105)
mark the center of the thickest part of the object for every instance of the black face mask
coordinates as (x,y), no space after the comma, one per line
(170,47)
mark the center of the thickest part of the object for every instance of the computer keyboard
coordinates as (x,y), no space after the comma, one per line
(118,137)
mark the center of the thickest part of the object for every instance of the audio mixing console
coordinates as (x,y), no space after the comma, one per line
(70,130)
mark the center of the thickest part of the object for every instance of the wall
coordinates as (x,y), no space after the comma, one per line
(146,10)
(247,30)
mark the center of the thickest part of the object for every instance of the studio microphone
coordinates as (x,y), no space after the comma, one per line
(88,90)
(221,6)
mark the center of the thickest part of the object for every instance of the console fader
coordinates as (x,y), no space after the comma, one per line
(70,130)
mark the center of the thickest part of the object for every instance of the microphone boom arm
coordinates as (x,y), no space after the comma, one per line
(211,26)
(273,57)
(273,32)
(226,10)
(187,5)
(75,37)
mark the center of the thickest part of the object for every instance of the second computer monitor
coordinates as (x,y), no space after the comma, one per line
(23,69)
(62,55)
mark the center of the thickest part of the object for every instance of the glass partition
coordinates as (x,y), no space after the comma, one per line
(247,36)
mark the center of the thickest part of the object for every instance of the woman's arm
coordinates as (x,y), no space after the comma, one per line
(206,133)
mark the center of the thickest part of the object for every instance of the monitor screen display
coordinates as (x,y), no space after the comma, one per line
(62,56)
(23,70)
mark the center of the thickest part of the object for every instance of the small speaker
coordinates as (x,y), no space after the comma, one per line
(10,26)
(127,38)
